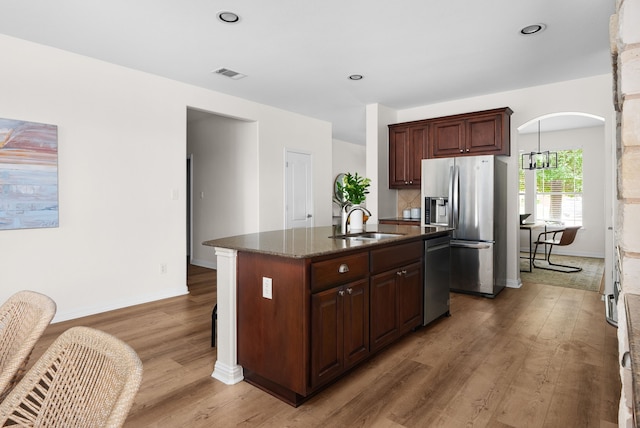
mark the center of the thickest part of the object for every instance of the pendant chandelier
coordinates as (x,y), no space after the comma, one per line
(539,160)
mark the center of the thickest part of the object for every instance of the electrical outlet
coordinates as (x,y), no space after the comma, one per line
(163,268)
(267,288)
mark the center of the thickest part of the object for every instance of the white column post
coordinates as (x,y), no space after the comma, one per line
(226,368)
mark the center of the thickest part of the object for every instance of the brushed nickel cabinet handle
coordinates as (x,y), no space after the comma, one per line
(344,268)
(341,293)
(349,290)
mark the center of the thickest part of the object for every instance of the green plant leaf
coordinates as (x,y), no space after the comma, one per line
(354,188)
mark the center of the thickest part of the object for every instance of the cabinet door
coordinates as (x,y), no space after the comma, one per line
(408,145)
(484,135)
(356,322)
(410,297)
(418,150)
(447,138)
(327,329)
(398,141)
(383,309)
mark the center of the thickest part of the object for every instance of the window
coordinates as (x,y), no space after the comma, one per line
(559,190)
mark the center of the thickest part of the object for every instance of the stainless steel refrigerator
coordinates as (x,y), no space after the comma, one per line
(468,193)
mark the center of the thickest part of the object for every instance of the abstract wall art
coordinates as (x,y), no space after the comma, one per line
(28,175)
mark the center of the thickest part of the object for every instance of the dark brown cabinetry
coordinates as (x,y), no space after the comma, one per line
(479,133)
(339,330)
(396,292)
(326,314)
(339,315)
(399,221)
(408,145)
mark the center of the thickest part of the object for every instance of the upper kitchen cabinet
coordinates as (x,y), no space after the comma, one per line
(479,133)
(408,145)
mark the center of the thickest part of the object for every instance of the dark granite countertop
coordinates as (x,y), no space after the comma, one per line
(632,303)
(402,219)
(318,241)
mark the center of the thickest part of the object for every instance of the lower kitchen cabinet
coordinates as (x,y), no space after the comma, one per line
(339,330)
(396,292)
(325,314)
(396,302)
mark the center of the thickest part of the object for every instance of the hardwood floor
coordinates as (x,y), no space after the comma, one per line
(538,356)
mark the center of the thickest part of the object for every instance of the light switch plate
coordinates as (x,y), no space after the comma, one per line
(267,288)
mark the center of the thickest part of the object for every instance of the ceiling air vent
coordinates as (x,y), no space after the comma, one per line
(229,73)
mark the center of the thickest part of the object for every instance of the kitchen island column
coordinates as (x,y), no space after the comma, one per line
(227,369)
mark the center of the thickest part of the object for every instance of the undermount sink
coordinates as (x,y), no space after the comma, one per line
(367,236)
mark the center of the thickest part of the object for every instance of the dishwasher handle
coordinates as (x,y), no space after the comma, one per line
(472,245)
(437,247)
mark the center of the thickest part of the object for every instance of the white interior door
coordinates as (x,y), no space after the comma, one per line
(298,190)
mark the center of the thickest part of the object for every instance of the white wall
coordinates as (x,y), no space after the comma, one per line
(589,95)
(590,239)
(383,201)
(122,151)
(348,157)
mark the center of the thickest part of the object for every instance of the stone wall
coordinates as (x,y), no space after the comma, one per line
(625,50)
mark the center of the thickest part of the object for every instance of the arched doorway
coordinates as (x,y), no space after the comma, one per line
(591,204)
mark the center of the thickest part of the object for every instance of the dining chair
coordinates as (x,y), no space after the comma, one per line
(86,378)
(23,318)
(567,238)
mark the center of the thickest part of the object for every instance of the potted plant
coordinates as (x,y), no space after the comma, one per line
(353,189)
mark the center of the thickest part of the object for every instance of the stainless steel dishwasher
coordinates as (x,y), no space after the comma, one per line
(437,278)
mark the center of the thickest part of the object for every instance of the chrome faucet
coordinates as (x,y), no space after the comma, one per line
(347,210)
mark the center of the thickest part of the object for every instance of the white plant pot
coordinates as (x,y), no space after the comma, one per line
(355,221)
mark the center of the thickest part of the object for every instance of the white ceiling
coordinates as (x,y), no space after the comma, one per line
(297,54)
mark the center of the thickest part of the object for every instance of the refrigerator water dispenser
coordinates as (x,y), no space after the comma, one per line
(436,211)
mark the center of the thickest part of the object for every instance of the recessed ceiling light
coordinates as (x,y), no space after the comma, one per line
(356,77)
(532,29)
(228,17)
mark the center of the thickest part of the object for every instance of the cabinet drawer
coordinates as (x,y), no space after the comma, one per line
(339,271)
(398,255)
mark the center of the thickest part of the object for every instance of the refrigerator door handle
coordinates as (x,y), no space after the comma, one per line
(474,245)
(454,189)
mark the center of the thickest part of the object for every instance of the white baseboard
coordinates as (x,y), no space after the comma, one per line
(229,375)
(514,283)
(119,304)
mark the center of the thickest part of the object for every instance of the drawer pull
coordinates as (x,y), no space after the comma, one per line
(349,290)
(344,268)
(341,293)
(399,273)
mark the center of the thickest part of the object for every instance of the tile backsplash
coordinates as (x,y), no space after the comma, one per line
(409,198)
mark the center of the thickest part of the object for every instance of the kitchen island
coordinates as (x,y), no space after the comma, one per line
(298,308)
